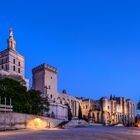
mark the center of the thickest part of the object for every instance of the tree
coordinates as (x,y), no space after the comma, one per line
(23,101)
(80,113)
(12,89)
(39,104)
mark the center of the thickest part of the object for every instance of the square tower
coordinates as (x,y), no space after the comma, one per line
(45,80)
(12,63)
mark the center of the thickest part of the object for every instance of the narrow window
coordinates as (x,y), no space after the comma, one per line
(13,61)
(14,68)
(7,60)
(18,63)
(51,96)
(18,70)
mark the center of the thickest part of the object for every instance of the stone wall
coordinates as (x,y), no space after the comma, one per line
(20,121)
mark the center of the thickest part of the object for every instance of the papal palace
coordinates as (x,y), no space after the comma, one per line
(110,111)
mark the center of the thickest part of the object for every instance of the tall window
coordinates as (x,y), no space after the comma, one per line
(6,59)
(14,61)
(14,68)
(18,63)
(18,70)
(51,96)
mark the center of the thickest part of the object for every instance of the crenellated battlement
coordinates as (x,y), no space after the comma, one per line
(45,66)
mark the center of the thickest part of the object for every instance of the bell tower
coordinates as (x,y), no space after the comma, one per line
(12,62)
(11,43)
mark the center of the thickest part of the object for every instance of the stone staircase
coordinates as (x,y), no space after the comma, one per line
(61,125)
(76,123)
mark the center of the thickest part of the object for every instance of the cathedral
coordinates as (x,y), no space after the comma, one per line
(12,62)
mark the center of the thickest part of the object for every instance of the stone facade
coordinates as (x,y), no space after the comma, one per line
(110,112)
(86,107)
(12,63)
(45,80)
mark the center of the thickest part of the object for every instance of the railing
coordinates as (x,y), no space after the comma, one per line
(4,107)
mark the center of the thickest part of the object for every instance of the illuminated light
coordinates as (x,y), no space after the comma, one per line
(137,124)
(37,123)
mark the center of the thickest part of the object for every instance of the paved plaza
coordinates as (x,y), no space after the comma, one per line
(89,133)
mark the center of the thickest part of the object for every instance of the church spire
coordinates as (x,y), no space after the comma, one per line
(11,42)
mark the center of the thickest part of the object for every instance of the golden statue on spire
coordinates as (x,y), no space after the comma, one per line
(11,32)
(11,42)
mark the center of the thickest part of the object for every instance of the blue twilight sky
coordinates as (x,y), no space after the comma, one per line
(95,44)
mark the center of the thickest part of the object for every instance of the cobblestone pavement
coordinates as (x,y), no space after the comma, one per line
(89,133)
